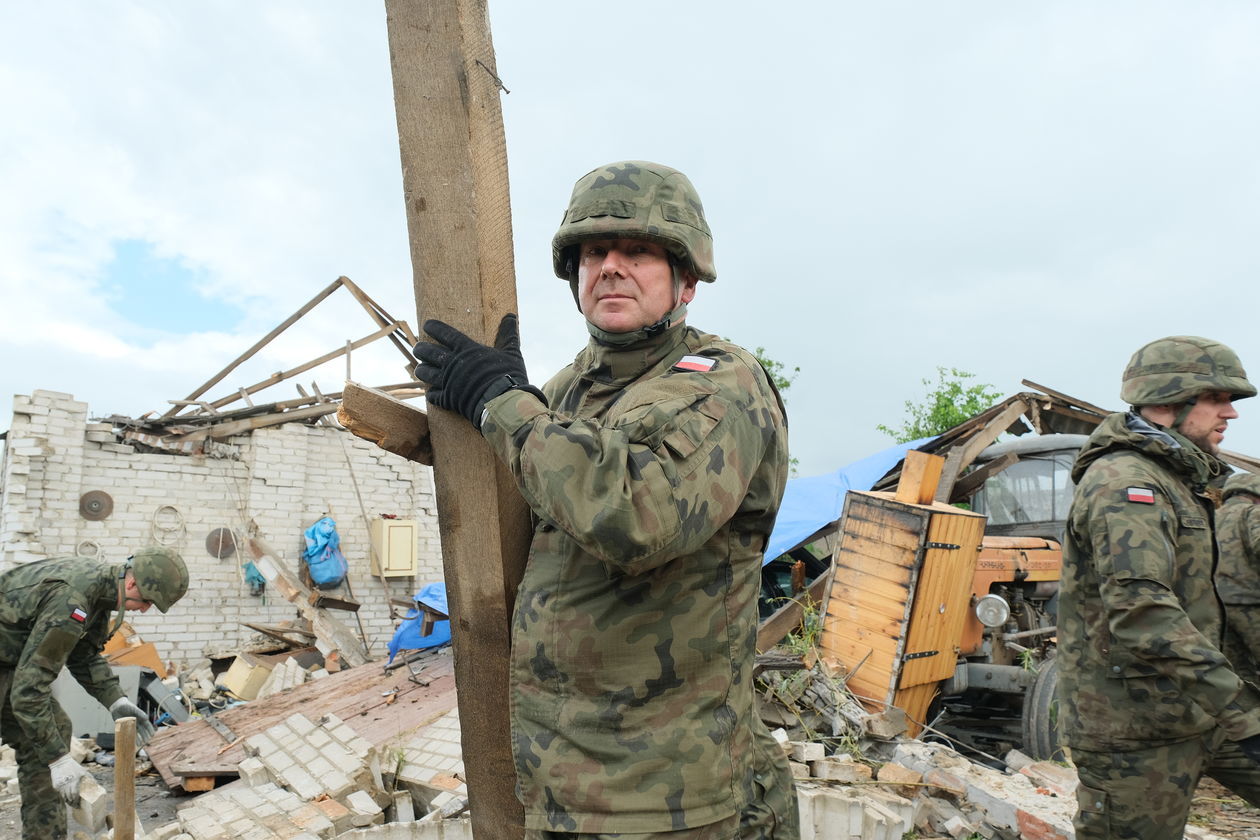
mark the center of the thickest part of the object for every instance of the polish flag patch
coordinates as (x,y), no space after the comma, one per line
(696,364)
(79,614)
(1141,494)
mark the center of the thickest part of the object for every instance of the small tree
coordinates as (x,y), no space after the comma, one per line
(949,403)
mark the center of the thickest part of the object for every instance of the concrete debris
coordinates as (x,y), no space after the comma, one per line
(812,704)
(320,779)
(285,675)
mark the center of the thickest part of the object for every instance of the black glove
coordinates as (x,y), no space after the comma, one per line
(1250,747)
(463,375)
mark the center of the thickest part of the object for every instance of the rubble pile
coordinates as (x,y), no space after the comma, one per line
(308,779)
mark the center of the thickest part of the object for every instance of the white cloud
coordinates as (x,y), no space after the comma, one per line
(1018,190)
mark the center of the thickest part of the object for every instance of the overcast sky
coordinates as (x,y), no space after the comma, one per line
(1019,190)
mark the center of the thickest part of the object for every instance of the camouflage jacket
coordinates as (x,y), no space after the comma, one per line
(1238,538)
(654,480)
(1140,625)
(56,612)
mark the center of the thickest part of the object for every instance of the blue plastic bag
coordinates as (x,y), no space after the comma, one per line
(323,554)
(407,636)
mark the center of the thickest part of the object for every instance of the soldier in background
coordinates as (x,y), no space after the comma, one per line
(1238,572)
(654,466)
(56,613)
(1147,701)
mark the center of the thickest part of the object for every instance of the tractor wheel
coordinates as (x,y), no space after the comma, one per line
(1041,714)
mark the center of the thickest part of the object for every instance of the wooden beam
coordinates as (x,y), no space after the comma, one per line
(260,344)
(387,421)
(381,317)
(920,475)
(964,452)
(330,635)
(237,427)
(455,190)
(288,374)
(788,617)
(125,779)
(966,486)
(1102,412)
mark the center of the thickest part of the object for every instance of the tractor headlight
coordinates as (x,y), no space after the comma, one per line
(992,610)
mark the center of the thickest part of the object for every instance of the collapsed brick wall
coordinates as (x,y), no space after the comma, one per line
(282,478)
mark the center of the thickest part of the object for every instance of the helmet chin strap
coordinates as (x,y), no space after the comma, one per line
(121,608)
(1183,413)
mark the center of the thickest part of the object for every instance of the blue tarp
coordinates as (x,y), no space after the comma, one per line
(323,554)
(812,502)
(407,636)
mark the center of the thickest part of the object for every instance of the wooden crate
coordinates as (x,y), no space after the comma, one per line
(899,597)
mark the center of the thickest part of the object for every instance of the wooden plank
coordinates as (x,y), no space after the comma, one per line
(788,617)
(942,597)
(390,423)
(261,343)
(870,596)
(302,368)
(355,695)
(967,486)
(920,474)
(125,779)
(1101,412)
(914,701)
(454,163)
(330,634)
(381,317)
(220,431)
(873,602)
(961,456)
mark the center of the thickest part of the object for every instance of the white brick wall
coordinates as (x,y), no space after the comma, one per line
(285,478)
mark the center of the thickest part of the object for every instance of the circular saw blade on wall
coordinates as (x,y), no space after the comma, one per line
(95,505)
(221,542)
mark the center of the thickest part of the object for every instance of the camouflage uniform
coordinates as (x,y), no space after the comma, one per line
(1146,698)
(52,613)
(1238,572)
(654,489)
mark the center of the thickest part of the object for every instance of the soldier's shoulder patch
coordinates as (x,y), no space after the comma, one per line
(1142,495)
(79,614)
(695,364)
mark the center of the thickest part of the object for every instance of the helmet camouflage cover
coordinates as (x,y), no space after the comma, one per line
(1177,368)
(635,199)
(160,575)
(1242,482)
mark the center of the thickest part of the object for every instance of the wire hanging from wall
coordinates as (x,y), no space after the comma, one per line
(93,546)
(167,532)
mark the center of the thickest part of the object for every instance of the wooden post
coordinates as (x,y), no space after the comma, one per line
(454,162)
(920,474)
(125,779)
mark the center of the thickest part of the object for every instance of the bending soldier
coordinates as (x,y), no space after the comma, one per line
(1147,701)
(1238,572)
(654,466)
(56,613)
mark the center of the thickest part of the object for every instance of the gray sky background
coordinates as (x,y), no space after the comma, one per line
(1020,190)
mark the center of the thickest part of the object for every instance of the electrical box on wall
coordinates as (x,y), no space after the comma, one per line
(394,547)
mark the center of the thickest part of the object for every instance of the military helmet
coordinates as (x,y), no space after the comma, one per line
(1177,368)
(1242,482)
(635,199)
(160,575)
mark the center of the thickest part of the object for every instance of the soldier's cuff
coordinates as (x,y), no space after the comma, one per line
(111,695)
(507,413)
